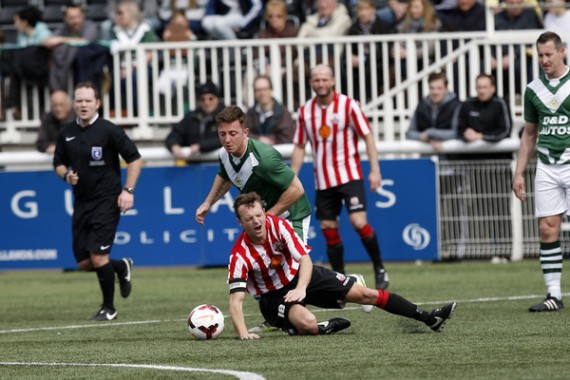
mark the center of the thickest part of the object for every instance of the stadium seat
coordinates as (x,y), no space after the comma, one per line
(13,3)
(53,13)
(96,11)
(7,14)
(10,35)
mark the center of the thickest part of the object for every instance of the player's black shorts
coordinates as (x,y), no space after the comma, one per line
(329,202)
(327,289)
(94,226)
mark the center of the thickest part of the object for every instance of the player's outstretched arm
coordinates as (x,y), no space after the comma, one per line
(219,188)
(238,320)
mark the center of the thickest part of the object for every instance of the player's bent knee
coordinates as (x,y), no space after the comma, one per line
(304,321)
(85,265)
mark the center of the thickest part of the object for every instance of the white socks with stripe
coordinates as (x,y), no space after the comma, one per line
(551,264)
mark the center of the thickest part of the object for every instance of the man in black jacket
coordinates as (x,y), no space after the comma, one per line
(198,129)
(485,117)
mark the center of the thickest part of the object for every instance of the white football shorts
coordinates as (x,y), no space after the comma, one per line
(552,189)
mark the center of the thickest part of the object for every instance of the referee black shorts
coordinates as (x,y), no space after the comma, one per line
(328,202)
(327,289)
(94,226)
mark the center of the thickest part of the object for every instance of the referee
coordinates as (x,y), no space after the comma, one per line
(87,157)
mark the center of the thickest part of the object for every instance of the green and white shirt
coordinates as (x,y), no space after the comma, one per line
(547,104)
(263,170)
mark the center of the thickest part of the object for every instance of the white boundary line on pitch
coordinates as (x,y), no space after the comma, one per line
(239,374)
(108,324)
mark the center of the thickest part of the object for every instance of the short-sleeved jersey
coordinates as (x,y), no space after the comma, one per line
(333,132)
(263,170)
(93,152)
(547,104)
(261,268)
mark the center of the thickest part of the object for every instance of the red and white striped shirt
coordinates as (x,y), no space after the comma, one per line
(333,132)
(261,268)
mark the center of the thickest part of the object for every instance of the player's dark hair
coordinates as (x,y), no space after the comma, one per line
(87,84)
(437,76)
(31,15)
(488,76)
(72,5)
(231,114)
(248,200)
(550,36)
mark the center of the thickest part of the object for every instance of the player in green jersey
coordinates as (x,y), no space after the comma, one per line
(546,114)
(251,165)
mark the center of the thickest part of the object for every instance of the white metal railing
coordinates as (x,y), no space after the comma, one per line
(395,89)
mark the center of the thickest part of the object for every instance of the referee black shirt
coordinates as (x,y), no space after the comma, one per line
(93,152)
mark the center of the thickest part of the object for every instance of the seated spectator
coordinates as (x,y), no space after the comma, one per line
(495,5)
(391,11)
(420,18)
(148,10)
(198,129)
(331,19)
(268,120)
(61,113)
(28,61)
(515,18)
(435,118)
(129,31)
(75,30)
(466,16)
(224,18)
(557,19)
(194,11)
(276,25)
(367,23)
(484,117)
(176,31)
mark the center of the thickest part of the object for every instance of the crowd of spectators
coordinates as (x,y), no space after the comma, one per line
(82,47)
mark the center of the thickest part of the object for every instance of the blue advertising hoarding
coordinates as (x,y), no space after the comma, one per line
(36,207)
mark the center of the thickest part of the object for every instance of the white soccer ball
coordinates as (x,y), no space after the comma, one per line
(206,322)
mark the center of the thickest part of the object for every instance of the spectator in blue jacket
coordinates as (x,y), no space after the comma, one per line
(226,17)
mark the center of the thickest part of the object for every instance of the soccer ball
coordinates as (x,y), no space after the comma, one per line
(206,322)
